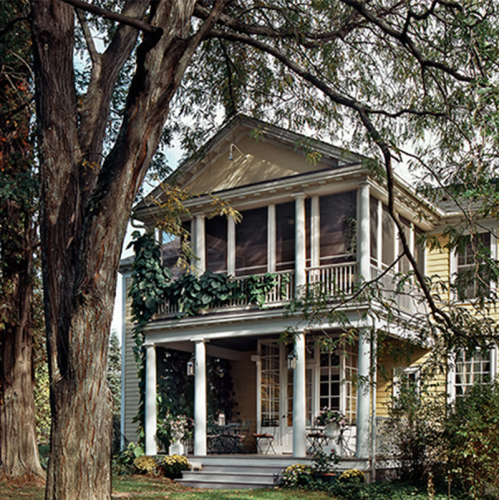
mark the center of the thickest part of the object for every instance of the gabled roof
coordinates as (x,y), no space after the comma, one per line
(210,168)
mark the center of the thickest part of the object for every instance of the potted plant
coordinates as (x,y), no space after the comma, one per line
(176,429)
(333,420)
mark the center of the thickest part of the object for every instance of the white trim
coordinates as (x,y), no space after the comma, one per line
(231,246)
(151,447)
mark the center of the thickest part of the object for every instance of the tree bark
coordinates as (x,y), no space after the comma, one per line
(84,215)
(18,443)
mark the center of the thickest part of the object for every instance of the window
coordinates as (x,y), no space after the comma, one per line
(216,244)
(338,227)
(406,379)
(285,236)
(472,369)
(270,382)
(251,242)
(473,278)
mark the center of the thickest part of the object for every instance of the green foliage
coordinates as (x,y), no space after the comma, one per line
(413,432)
(124,463)
(173,465)
(297,475)
(146,465)
(114,381)
(354,476)
(472,435)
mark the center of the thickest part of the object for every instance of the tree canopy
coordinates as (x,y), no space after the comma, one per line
(402,80)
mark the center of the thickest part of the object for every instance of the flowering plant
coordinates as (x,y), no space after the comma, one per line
(329,416)
(177,427)
(297,475)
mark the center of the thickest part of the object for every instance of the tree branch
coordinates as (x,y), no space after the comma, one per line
(130,21)
(405,40)
(94,55)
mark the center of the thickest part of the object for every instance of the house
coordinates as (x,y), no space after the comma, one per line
(321,224)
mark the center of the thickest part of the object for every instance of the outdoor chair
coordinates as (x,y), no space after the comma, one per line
(264,441)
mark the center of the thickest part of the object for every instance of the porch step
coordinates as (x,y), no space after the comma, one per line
(243,472)
(231,472)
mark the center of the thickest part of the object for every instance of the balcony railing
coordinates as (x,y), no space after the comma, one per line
(406,297)
(330,281)
(283,292)
(333,279)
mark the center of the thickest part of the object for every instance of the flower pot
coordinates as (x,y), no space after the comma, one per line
(332,430)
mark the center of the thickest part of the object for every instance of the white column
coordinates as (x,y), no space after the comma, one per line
(200,399)
(364,243)
(299,399)
(271,238)
(364,387)
(300,241)
(199,243)
(231,246)
(150,401)
(315,232)
(364,396)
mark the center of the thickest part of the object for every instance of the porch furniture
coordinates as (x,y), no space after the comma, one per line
(228,438)
(317,439)
(264,441)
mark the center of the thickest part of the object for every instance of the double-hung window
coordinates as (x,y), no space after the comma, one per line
(473,277)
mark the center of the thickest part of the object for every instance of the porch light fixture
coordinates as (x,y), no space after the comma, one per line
(231,152)
(190,367)
(291,360)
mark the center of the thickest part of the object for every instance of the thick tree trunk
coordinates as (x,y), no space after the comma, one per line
(18,443)
(84,214)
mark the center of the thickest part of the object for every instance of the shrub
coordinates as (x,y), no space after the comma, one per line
(413,433)
(124,464)
(472,434)
(353,476)
(297,475)
(146,465)
(173,465)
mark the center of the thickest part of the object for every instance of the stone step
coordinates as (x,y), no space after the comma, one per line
(235,477)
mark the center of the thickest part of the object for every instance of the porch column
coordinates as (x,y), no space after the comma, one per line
(150,401)
(315,231)
(299,399)
(364,367)
(364,246)
(300,242)
(200,399)
(199,243)
(231,246)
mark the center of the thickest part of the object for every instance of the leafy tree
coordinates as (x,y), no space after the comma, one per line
(386,73)
(18,193)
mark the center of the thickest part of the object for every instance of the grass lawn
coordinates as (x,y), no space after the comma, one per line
(145,488)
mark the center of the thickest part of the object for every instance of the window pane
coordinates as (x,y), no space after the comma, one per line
(251,242)
(419,251)
(338,228)
(216,244)
(285,236)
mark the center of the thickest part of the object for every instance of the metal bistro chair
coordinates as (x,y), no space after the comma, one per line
(265,440)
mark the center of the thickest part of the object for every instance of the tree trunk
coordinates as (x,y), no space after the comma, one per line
(18,444)
(84,215)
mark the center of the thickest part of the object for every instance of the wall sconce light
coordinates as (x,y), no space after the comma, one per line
(291,360)
(190,367)
(231,152)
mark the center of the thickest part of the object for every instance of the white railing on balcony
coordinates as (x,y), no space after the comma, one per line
(406,297)
(333,279)
(283,292)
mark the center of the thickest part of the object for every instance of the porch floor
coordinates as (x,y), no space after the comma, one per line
(244,471)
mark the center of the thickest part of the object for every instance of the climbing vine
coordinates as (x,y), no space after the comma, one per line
(152,285)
